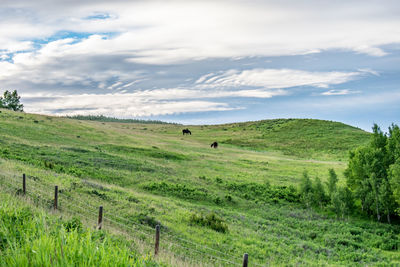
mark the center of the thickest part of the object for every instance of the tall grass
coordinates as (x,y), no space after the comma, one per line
(30,237)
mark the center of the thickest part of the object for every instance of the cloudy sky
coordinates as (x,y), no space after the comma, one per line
(204,61)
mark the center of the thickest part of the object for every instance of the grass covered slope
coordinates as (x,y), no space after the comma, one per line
(306,138)
(31,237)
(210,202)
(129,154)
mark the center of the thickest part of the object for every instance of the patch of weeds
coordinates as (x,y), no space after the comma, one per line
(132,199)
(229,198)
(217,200)
(218,180)
(103,196)
(73,224)
(210,220)
(146,219)
(178,190)
(48,164)
(263,192)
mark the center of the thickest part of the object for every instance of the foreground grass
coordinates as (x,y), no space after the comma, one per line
(272,233)
(31,237)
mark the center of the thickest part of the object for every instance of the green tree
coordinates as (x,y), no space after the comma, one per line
(343,202)
(319,193)
(393,144)
(357,177)
(306,190)
(368,173)
(331,183)
(394,171)
(11,100)
(395,180)
(386,198)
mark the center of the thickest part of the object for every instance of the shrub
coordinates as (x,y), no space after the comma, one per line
(99,194)
(132,199)
(146,219)
(210,220)
(217,200)
(73,224)
(228,198)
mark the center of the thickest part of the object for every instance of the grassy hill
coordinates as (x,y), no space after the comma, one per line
(305,138)
(213,204)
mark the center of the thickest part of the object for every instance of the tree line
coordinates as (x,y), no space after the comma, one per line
(372,184)
(103,118)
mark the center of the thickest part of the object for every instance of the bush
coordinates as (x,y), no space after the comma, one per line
(217,200)
(73,224)
(210,220)
(146,219)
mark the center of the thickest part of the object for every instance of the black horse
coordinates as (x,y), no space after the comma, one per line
(215,145)
(186,131)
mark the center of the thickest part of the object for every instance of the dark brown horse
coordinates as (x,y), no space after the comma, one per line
(215,145)
(186,131)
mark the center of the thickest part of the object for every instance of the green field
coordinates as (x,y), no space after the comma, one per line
(213,205)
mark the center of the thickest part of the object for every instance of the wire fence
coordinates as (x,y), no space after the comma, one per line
(171,244)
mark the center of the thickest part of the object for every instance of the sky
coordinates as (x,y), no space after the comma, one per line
(203,61)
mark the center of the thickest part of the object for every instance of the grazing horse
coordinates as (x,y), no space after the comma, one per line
(215,145)
(186,131)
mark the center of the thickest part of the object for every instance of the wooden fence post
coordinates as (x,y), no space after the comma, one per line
(55,197)
(24,184)
(245,259)
(157,244)
(100,221)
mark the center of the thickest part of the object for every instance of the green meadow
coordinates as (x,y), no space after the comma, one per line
(213,205)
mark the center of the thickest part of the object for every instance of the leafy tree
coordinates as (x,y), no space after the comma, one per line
(394,171)
(320,197)
(306,190)
(393,144)
(395,181)
(332,181)
(343,202)
(357,177)
(386,198)
(11,100)
(369,173)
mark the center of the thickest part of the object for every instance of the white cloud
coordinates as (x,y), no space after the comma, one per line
(254,83)
(114,85)
(4,57)
(369,71)
(118,105)
(124,36)
(276,78)
(173,31)
(373,51)
(340,92)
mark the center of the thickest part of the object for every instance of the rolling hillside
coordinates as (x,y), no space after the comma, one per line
(304,138)
(213,205)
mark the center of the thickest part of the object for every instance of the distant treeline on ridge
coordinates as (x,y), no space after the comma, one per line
(112,119)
